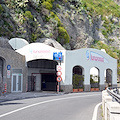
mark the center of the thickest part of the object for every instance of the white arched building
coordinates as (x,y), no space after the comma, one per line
(88,58)
(42,66)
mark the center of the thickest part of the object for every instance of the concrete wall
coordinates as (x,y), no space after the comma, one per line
(16,61)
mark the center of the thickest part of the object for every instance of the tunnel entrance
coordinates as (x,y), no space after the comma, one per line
(42,75)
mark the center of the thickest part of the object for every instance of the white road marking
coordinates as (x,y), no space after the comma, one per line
(95,111)
(39,103)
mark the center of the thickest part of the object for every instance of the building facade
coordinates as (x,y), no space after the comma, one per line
(12,71)
(34,67)
(42,67)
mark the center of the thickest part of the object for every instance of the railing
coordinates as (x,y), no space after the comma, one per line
(111,103)
(115,93)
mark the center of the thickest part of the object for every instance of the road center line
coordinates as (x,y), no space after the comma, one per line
(39,103)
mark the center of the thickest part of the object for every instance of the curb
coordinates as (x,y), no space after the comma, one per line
(95,111)
(23,96)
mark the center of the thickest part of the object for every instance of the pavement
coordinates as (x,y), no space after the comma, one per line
(26,95)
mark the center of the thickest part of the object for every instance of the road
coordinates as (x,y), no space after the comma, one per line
(75,106)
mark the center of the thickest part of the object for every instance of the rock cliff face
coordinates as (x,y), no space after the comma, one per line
(73,23)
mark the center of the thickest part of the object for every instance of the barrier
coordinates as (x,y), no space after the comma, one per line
(5,90)
(111,107)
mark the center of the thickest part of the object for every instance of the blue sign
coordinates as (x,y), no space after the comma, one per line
(57,56)
(8,67)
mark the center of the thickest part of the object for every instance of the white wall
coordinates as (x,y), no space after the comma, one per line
(79,57)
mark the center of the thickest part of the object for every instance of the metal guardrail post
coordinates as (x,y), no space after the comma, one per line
(114,92)
(112,108)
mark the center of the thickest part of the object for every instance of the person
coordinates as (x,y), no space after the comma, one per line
(44,84)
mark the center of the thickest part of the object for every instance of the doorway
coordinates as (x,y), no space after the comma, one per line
(17,82)
(108,79)
(44,72)
(49,82)
(78,77)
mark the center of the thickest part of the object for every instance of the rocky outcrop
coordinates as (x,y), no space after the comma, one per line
(51,42)
(62,21)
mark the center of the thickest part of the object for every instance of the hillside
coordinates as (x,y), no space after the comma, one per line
(73,23)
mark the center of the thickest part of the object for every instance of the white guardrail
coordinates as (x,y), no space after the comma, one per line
(111,104)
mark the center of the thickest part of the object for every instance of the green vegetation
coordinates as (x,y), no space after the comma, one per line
(94,84)
(78,81)
(64,1)
(106,8)
(16,3)
(63,36)
(101,7)
(104,32)
(54,16)
(28,15)
(47,5)
(108,25)
(1,9)
(113,52)
(50,1)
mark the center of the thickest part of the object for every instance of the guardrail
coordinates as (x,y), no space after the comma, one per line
(114,92)
(111,103)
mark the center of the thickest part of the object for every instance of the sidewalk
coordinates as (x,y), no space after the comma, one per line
(17,96)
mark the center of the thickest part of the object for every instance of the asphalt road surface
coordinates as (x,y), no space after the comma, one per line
(75,106)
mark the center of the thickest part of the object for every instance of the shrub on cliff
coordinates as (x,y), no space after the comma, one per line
(47,5)
(63,36)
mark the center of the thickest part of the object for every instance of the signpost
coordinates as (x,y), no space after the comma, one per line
(8,71)
(59,78)
(58,57)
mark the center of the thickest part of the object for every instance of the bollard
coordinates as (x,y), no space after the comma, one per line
(104,94)
(112,111)
(106,100)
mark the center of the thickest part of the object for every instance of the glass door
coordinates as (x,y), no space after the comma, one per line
(16,82)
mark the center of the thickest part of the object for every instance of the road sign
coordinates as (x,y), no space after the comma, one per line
(8,67)
(59,73)
(59,68)
(57,56)
(8,73)
(59,78)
